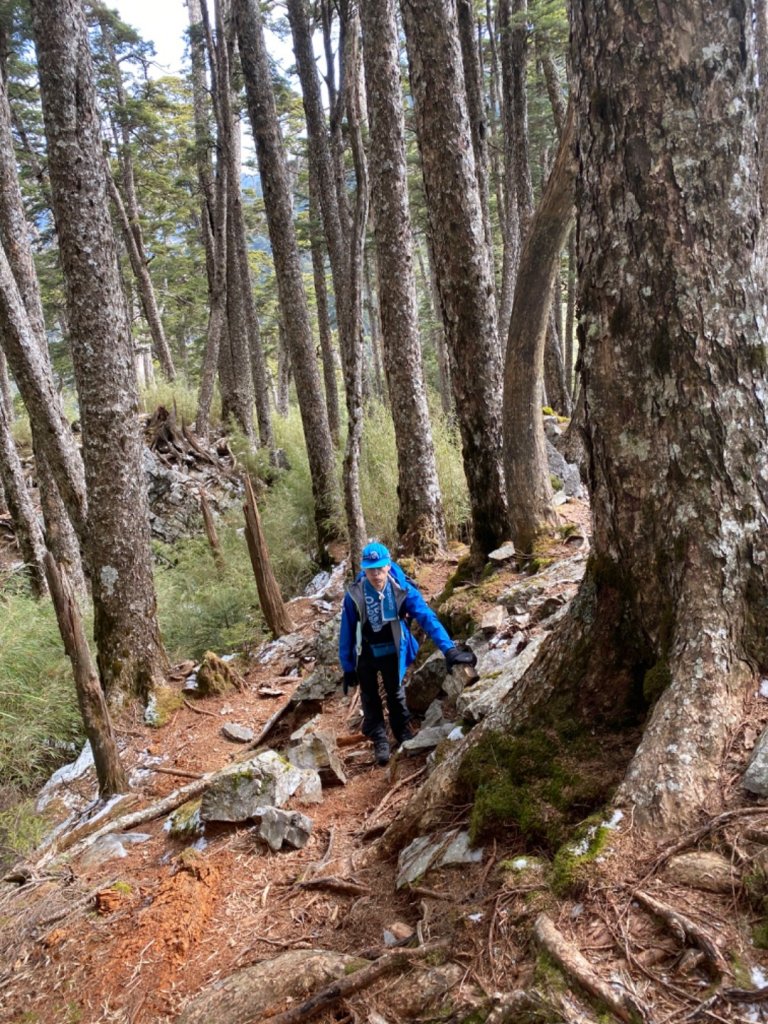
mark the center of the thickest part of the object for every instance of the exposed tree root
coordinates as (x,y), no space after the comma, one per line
(624,1006)
(684,928)
(361,979)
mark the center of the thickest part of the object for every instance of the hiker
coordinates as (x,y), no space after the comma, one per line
(375,639)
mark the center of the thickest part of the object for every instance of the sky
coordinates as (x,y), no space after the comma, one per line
(161,21)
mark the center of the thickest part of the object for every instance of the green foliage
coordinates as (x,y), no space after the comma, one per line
(200,608)
(21,828)
(572,860)
(179,395)
(39,721)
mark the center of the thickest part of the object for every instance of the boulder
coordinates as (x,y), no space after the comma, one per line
(425,683)
(327,643)
(317,750)
(283,828)
(493,620)
(239,792)
(503,554)
(110,846)
(318,685)
(565,472)
(237,733)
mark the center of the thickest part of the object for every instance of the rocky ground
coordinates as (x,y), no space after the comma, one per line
(142,912)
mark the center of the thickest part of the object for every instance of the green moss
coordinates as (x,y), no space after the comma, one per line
(185,820)
(573,860)
(123,887)
(162,704)
(760,935)
(568,530)
(547,410)
(537,563)
(528,782)
(655,681)
(556,482)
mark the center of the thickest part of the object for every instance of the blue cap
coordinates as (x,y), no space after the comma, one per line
(375,556)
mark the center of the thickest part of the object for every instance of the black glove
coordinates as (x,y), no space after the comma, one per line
(350,682)
(460,656)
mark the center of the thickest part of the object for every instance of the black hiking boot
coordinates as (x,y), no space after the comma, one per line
(408,733)
(381,751)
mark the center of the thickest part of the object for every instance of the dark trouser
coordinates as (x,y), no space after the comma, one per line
(373,713)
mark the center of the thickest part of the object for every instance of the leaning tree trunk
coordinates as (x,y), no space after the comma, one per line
(130,656)
(461,258)
(290,284)
(529,490)
(420,523)
(29,536)
(14,232)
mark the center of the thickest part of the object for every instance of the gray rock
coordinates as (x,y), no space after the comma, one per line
(317,685)
(756,776)
(237,733)
(493,620)
(503,554)
(427,852)
(548,607)
(428,737)
(327,643)
(434,714)
(318,751)
(241,790)
(110,846)
(486,694)
(565,471)
(283,828)
(425,683)
(552,428)
(64,776)
(185,821)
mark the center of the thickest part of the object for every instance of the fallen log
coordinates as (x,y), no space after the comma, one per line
(335,884)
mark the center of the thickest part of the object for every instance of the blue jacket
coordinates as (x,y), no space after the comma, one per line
(409,602)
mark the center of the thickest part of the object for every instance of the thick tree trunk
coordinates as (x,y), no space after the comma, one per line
(420,522)
(131,657)
(529,491)
(558,396)
(371,305)
(570,314)
(290,284)
(429,287)
(672,278)
(461,258)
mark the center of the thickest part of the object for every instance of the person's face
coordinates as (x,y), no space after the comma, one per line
(377,577)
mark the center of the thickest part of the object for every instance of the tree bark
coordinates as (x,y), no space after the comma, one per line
(323,321)
(90,696)
(29,536)
(529,491)
(293,300)
(130,656)
(420,521)
(672,272)
(429,286)
(275,613)
(461,258)
(15,236)
(476,111)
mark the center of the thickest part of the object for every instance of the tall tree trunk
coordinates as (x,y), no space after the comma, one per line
(129,214)
(343,238)
(14,233)
(374,321)
(204,142)
(321,301)
(130,656)
(570,314)
(283,373)
(429,285)
(290,284)
(476,111)
(461,258)
(420,521)
(352,354)
(525,456)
